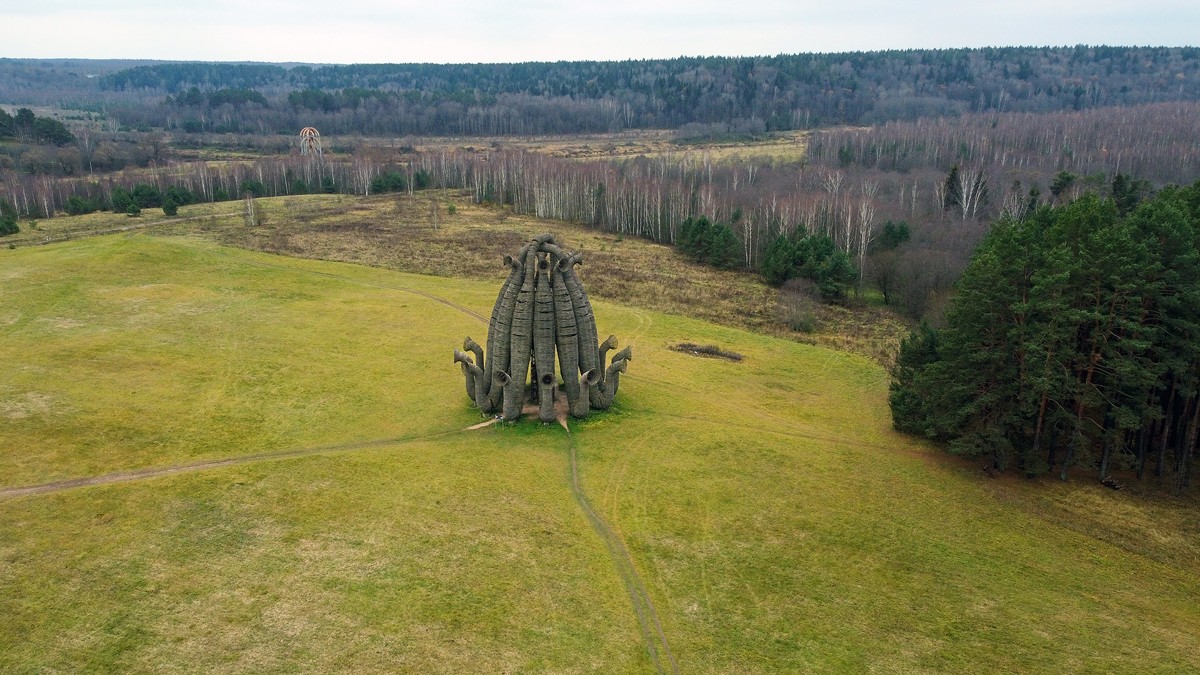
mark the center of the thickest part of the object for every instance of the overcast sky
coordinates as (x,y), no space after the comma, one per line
(457,31)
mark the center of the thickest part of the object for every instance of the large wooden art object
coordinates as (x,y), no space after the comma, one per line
(310,142)
(542,317)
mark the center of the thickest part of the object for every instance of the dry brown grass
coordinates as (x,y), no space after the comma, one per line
(711,351)
(780,147)
(397,232)
(775,148)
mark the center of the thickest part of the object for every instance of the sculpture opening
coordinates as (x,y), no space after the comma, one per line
(542,320)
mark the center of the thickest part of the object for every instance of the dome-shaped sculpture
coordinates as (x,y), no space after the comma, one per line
(542,311)
(310,142)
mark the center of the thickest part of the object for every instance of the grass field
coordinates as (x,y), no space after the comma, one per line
(397,232)
(775,148)
(781,147)
(776,521)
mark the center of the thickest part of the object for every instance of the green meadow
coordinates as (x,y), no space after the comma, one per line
(752,516)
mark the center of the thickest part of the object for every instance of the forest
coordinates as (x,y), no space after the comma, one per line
(710,95)
(945,179)
(1073,339)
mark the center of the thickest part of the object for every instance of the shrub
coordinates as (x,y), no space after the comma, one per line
(779,261)
(180,195)
(798,303)
(706,350)
(388,181)
(77,206)
(421,179)
(146,195)
(253,187)
(709,242)
(121,199)
(812,257)
(8,219)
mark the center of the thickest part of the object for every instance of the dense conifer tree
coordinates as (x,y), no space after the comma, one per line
(1073,341)
(8,219)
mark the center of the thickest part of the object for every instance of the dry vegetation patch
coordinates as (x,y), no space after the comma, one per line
(713,351)
(25,405)
(790,146)
(402,232)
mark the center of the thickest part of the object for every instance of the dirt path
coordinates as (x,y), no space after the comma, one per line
(652,633)
(155,472)
(651,627)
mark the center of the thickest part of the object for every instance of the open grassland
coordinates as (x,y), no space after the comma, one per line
(776,148)
(402,232)
(784,147)
(775,519)
(65,228)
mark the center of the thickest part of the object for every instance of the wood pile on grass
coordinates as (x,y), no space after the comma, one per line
(706,350)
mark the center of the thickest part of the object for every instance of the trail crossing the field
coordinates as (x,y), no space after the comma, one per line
(159,471)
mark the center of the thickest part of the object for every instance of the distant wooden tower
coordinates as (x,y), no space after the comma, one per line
(310,142)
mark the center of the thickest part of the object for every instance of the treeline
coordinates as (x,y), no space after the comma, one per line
(28,127)
(42,145)
(980,167)
(88,151)
(144,196)
(654,197)
(770,92)
(1157,142)
(814,257)
(235,97)
(847,211)
(365,174)
(1073,341)
(944,213)
(371,113)
(53,82)
(836,88)
(838,229)
(646,198)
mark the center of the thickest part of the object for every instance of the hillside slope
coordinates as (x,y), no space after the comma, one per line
(774,518)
